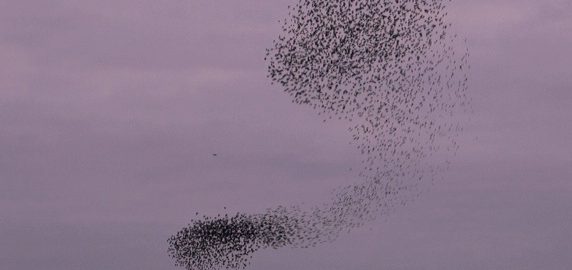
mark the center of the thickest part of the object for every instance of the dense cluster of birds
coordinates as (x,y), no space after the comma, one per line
(228,241)
(395,73)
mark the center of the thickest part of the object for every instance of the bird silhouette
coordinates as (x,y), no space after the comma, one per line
(389,69)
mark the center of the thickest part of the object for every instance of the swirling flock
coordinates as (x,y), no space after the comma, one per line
(395,73)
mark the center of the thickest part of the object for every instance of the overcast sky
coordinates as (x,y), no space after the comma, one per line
(110,111)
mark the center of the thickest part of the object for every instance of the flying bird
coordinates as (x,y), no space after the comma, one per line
(392,72)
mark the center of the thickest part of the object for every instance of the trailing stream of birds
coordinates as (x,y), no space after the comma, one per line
(397,75)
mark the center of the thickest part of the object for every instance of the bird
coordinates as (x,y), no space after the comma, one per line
(387,69)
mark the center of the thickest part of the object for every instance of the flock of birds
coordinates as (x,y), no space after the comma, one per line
(394,72)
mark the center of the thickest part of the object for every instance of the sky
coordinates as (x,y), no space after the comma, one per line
(110,111)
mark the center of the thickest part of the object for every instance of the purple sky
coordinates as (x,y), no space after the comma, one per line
(110,111)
